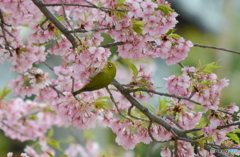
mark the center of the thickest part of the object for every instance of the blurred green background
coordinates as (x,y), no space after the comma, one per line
(206,22)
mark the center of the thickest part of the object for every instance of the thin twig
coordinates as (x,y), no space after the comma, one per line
(30,113)
(66,19)
(163,94)
(93,30)
(56,90)
(55,21)
(9,33)
(173,120)
(216,48)
(48,66)
(73,82)
(130,114)
(15,130)
(114,102)
(7,45)
(227,125)
(222,147)
(113,44)
(176,147)
(42,23)
(95,6)
(86,6)
(181,65)
(151,136)
(219,127)
(229,113)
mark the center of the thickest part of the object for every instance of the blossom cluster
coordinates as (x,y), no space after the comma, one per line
(26,120)
(198,85)
(141,30)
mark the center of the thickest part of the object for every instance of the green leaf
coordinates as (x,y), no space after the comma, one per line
(162,104)
(88,134)
(237,130)
(49,154)
(120,15)
(203,140)
(190,134)
(131,66)
(101,104)
(201,143)
(207,82)
(175,36)
(234,137)
(32,117)
(134,69)
(103,97)
(170,31)
(209,67)
(4,92)
(54,144)
(50,132)
(165,9)
(121,2)
(137,26)
(60,18)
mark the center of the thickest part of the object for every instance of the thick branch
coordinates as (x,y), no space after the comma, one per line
(155,119)
(55,21)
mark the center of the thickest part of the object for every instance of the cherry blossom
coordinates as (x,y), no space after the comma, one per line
(74,32)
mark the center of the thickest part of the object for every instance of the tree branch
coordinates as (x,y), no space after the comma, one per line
(130,114)
(113,44)
(164,94)
(15,130)
(179,133)
(86,6)
(114,102)
(55,21)
(216,48)
(228,113)
(93,30)
(2,23)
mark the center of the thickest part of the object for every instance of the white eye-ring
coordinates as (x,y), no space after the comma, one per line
(110,65)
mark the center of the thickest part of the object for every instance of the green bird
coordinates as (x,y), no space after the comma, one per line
(100,80)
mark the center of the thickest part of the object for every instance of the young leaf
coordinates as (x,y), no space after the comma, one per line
(207,82)
(134,69)
(54,144)
(121,2)
(103,97)
(49,154)
(101,104)
(137,26)
(162,104)
(5,91)
(234,137)
(209,67)
(131,66)
(165,9)
(175,36)
(50,132)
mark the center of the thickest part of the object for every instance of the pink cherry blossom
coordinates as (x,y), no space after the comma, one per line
(165,152)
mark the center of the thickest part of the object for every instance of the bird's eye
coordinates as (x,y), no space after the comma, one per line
(110,65)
